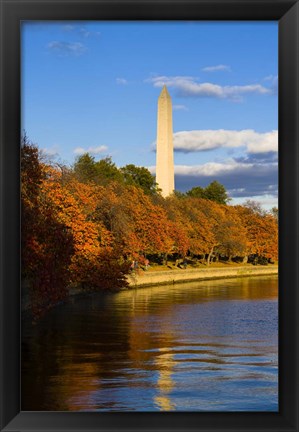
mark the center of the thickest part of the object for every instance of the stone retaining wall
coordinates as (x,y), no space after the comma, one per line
(149,278)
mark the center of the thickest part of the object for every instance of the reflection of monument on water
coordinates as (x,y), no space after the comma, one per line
(164,163)
(165,363)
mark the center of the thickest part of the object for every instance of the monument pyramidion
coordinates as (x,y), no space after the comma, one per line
(164,161)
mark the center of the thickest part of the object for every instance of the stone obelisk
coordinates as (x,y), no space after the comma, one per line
(164,163)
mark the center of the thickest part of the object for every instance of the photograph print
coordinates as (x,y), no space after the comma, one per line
(149,216)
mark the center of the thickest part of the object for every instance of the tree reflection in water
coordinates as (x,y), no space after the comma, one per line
(208,346)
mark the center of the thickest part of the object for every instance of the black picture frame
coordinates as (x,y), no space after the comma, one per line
(13,12)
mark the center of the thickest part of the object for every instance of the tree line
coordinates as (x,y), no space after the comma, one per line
(84,224)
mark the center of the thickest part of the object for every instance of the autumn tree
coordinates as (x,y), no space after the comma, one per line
(47,243)
(274,213)
(200,231)
(231,235)
(134,218)
(96,263)
(261,232)
(179,224)
(81,225)
(255,207)
(193,228)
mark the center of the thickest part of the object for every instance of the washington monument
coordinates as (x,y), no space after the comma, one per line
(164,163)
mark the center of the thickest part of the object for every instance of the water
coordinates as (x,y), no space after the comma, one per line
(200,346)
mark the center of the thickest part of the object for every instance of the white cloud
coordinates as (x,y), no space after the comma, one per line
(241,179)
(179,108)
(238,190)
(267,201)
(216,169)
(262,143)
(271,78)
(68,27)
(273,81)
(220,67)
(212,169)
(121,81)
(84,32)
(67,48)
(189,86)
(81,31)
(92,150)
(273,188)
(208,169)
(200,140)
(51,151)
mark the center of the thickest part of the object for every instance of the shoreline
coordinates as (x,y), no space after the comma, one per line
(168,277)
(171,277)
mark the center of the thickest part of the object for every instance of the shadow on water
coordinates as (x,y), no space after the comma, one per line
(200,346)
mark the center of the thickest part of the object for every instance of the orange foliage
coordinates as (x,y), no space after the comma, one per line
(136,224)
(261,231)
(81,232)
(47,244)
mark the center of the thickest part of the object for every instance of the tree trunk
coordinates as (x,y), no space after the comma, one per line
(245,259)
(165,258)
(210,254)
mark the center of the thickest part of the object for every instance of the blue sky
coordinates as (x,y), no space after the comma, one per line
(94,86)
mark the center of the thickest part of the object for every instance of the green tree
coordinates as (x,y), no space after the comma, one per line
(178,194)
(216,192)
(196,192)
(85,168)
(139,176)
(107,171)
